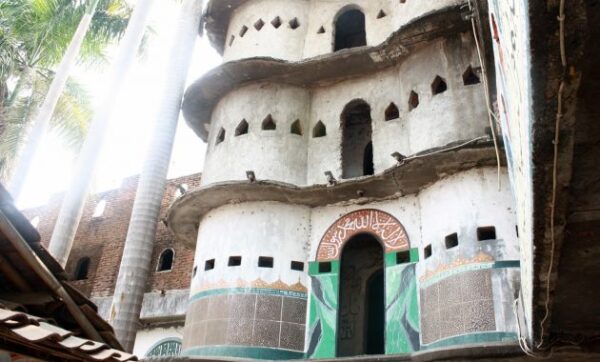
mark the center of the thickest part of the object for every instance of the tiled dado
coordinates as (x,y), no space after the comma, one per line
(459,304)
(247,320)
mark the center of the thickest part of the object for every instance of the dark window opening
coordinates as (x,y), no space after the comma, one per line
(276,22)
(231,39)
(221,136)
(259,24)
(265,262)
(165,261)
(439,85)
(350,30)
(243,31)
(325,267)
(234,261)
(320,130)
(403,257)
(427,251)
(268,124)
(381,14)
(357,149)
(296,128)
(402,1)
(209,264)
(517,230)
(321,30)
(194,271)
(368,167)
(297,265)
(294,24)
(392,112)
(413,100)
(486,233)
(451,241)
(242,128)
(470,77)
(83,267)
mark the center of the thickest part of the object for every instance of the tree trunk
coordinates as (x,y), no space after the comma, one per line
(135,265)
(72,205)
(39,127)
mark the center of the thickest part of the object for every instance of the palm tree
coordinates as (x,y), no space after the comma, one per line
(135,264)
(33,39)
(72,205)
(45,112)
(70,120)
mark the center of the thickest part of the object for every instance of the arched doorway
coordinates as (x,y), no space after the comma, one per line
(350,30)
(361,319)
(357,147)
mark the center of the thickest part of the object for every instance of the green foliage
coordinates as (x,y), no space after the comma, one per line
(69,121)
(34,34)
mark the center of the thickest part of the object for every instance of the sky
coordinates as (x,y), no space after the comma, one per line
(130,126)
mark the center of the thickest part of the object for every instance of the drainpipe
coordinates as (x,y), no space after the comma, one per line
(25,251)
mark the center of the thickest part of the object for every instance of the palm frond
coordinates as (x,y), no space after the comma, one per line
(69,121)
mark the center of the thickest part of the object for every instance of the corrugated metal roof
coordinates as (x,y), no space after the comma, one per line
(28,329)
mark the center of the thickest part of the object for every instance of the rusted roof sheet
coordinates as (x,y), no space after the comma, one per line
(26,329)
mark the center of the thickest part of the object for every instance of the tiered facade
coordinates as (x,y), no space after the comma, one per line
(350,202)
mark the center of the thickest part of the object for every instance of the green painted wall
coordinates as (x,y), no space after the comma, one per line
(322,318)
(402,309)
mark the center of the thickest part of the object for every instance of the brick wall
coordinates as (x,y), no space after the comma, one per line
(102,239)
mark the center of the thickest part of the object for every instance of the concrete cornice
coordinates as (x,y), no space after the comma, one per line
(202,96)
(409,177)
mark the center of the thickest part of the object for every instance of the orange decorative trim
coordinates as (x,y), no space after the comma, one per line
(258,283)
(384,226)
(477,259)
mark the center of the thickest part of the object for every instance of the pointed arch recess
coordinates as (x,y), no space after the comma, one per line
(376,222)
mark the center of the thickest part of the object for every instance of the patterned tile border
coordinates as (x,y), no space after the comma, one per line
(260,291)
(243,352)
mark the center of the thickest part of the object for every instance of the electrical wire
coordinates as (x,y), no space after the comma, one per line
(487,95)
(559,115)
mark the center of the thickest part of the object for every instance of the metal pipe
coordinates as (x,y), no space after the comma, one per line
(48,278)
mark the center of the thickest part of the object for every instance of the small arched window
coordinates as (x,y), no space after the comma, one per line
(165,261)
(35,221)
(220,136)
(319,130)
(99,210)
(269,124)
(350,30)
(392,112)
(83,268)
(438,85)
(181,190)
(242,128)
(296,128)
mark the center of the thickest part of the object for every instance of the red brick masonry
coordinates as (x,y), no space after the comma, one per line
(102,238)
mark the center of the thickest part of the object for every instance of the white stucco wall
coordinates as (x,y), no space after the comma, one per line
(272,155)
(460,204)
(306,41)
(458,114)
(251,230)
(146,339)
(281,43)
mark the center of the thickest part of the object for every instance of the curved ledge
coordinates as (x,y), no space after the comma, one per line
(409,177)
(216,20)
(202,96)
